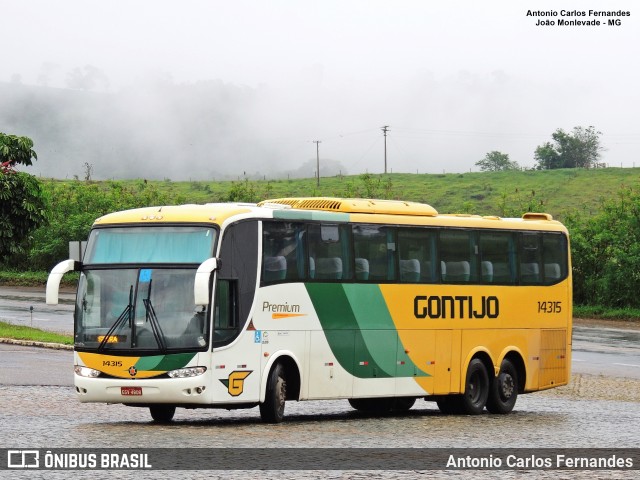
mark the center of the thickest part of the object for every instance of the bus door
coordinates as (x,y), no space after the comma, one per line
(236,351)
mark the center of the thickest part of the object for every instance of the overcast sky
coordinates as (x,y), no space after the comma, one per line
(453,80)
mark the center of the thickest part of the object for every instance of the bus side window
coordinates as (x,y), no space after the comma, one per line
(225,318)
(375,247)
(554,254)
(530,272)
(456,254)
(283,252)
(329,257)
(496,255)
(416,260)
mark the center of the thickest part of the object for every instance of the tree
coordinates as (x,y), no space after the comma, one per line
(22,201)
(605,250)
(496,161)
(579,149)
(15,150)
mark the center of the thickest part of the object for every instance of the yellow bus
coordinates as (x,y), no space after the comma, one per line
(378,302)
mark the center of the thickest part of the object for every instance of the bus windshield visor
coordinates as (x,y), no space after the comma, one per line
(150,245)
(139,309)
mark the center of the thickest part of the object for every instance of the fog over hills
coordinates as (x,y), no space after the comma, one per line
(215,130)
(200,131)
(217,89)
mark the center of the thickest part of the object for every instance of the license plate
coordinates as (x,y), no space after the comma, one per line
(131,391)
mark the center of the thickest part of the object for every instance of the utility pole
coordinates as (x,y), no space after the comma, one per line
(384,130)
(317,142)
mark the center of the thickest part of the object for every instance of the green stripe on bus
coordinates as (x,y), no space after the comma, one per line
(360,330)
(164,362)
(375,324)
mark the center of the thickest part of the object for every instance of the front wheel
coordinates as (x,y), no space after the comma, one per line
(162,413)
(504,389)
(272,409)
(476,391)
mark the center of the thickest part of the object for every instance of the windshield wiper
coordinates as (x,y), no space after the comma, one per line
(124,316)
(153,320)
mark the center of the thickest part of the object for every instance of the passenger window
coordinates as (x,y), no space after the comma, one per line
(530,272)
(497,254)
(374,247)
(456,256)
(416,259)
(329,257)
(283,250)
(554,253)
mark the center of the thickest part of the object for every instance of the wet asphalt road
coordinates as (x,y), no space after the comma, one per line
(16,307)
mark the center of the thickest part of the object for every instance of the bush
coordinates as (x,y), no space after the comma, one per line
(73,207)
(606,253)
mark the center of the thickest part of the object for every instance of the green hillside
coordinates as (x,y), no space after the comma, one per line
(558,192)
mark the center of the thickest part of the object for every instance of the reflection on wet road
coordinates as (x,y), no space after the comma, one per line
(606,351)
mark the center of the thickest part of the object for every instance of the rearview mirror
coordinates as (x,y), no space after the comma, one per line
(55,277)
(201,283)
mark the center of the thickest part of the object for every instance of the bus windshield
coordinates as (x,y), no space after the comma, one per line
(138,309)
(150,245)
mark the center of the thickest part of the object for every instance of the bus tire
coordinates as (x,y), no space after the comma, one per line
(448,404)
(504,389)
(272,409)
(476,390)
(403,404)
(162,413)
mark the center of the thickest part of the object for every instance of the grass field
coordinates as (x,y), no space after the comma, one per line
(558,192)
(18,332)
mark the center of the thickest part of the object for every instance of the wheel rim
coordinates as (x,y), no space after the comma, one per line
(507,386)
(475,388)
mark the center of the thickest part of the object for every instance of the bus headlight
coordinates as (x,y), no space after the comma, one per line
(86,371)
(187,372)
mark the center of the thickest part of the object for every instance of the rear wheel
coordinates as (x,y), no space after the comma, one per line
(162,413)
(476,391)
(504,389)
(272,410)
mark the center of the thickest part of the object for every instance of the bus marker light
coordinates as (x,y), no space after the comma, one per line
(242,366)
(329,364)
(364,364)
(219,367)
(266,354)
